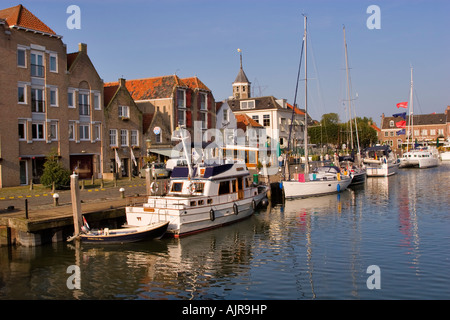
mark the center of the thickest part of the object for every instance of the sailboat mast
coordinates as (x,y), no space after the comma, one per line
(410,116)
(348,92)
(306,105)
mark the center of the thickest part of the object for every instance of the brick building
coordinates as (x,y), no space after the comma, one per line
(167,102)
(50,100)
(123,132)
(427,128)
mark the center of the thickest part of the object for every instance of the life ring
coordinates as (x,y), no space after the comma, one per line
(154,187)
(235,209)
(191,188)
(254,204)
(212,215)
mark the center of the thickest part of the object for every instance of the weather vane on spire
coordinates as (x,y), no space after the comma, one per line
(240,54)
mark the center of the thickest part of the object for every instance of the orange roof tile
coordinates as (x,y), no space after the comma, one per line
(297,110)
(195,83)
(151,88)
(243,121)
(19,16)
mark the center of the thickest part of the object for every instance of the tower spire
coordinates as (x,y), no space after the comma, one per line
(241,85)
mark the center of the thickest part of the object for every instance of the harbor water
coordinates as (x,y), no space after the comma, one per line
(386,239)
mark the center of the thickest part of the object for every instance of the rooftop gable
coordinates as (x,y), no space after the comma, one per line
(195,83)
(21,17)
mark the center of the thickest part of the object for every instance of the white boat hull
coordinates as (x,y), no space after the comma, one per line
(184,219)
(445,156)
(381,169)
(297,189)
(420,163)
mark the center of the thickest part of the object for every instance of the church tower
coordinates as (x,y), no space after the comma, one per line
(241,86)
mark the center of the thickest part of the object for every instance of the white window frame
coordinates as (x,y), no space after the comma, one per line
(123,136)
(53,128)
(24,50)
(41,67)
(183,112)
(36,126)
(55,57)
(266,117)
(71,130)
(71,104)
(85,106)
(54,90)
(113,135)
(124,112)
(97,101)
(24,87)
(97,134)
(183,101)
(33,107)
(82,131)
(248,104)
(134,137)
(204,119)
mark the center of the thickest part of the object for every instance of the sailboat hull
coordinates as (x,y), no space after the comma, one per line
(296,189)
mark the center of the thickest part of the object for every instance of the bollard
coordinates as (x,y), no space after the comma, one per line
(122,192)
(26,208)
(56,199)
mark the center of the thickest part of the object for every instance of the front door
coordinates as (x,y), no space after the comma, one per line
(23,172)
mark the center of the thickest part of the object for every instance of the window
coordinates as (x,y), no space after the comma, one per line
(432,132)
(53,135)
(203,101)
(123,137)
(22,130)
(199,187)
(256,118)
(391,123)
(424,132)
(37,65)
(204,119)
(71,130)
(266,120)
(224,187)
(37,131)
(416,132)
(248,104)
(97,101)
(181,98)
(124,112)
(53,62)
(21,94)
(83,103)
(53,97)
(441,131)
(21,58)
(182,117)
(177,187)
(71,99)
(225,115)
(97,134)
(113,137)
(158,138)
(37,100)
(84,132)
(135,138)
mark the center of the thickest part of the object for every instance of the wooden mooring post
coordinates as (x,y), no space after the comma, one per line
(76,203)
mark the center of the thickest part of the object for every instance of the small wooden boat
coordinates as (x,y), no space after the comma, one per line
(123,235)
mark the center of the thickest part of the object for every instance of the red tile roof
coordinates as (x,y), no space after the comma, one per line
(297,110)
(243,121)
(19,16)
(195,83)
(151,88)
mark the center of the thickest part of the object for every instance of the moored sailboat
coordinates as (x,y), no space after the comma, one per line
(326,179)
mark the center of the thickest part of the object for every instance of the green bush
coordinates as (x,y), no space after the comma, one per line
(54,172)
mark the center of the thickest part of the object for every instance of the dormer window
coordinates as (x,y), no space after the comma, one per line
(250,104)
(391,123)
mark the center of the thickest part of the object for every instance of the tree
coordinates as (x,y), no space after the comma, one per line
(54,172)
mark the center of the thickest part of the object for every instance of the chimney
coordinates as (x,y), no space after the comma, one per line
(448,110)
(122,82)
(82,47)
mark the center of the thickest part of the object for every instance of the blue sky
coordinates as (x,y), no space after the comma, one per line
(138,39)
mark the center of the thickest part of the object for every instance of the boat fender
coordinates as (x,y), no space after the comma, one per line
(212,215)
(254,204)
(235,209)
(338,187)
(154,187)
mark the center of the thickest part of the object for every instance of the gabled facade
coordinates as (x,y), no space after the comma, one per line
(123,134)
(49,101)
